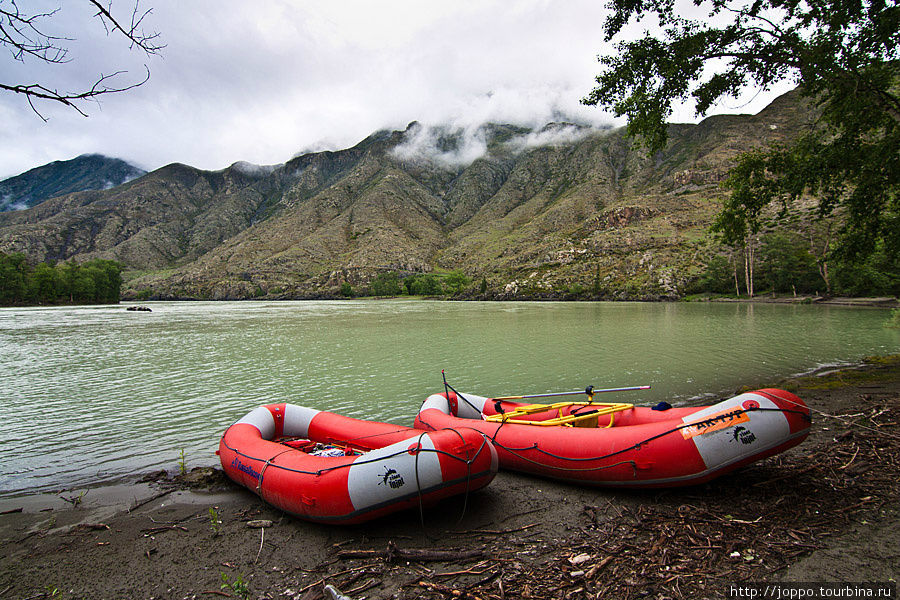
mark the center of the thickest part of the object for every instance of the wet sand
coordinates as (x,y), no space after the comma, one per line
(826,511)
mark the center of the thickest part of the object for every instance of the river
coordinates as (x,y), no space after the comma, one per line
(97,394)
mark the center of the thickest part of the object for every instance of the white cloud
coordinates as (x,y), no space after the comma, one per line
(259,82)
(447,146)
(253,170)
(556,134)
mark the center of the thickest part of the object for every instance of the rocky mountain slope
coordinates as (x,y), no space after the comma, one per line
(85,172)
(531,212)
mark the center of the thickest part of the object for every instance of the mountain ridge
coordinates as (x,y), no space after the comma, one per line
(538,211)
(83,173)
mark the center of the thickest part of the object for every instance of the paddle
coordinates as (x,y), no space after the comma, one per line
(589,390)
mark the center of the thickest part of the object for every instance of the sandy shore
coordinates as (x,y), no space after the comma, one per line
(826,511)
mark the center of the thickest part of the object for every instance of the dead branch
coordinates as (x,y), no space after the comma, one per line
(24,36)
(153,530)
(447,591)
(149,43)
(393,552)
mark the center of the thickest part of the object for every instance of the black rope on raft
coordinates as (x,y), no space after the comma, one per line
(468,469)
(466,400)
(259,480)
(458,395)
(419,448)
(374,435)
(346,465)
(446,385)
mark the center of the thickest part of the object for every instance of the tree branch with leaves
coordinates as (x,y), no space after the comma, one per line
(843,54)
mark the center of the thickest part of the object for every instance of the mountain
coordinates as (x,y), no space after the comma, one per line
(533,212)
(85,172)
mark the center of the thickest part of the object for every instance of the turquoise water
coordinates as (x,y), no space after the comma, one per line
(94,394)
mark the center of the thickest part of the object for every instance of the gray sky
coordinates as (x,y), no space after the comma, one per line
(264,81)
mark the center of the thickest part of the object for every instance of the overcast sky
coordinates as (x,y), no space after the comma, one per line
(264,81)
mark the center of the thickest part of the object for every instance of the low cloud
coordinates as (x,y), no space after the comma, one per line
(455,146)
(447,146)
(553,134)
(252,170)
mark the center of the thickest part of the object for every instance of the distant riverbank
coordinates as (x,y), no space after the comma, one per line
(880,302)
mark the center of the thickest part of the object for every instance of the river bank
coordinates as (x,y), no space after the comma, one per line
(825,511)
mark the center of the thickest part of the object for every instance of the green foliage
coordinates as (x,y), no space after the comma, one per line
(576,290)
(215,522)
(456,281)
(94,282)
(386,284)
(717,278)
(894,321)
(346,290)
(424,284)
(238,587)
(786,265)
(597,284)
(13,273)
(182,463)
(844,55)
(877,274)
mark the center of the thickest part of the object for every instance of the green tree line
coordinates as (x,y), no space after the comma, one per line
(94,282)
(784,263)
(391,283)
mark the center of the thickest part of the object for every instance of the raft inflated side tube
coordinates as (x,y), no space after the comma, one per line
(400,467)
(633,446)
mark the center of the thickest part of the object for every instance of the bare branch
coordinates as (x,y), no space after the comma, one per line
(99,88)
(23,34)
(149,43)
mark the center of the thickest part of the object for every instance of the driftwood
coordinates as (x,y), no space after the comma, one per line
(447,591)
(137,504)
(161,528)
(393,552)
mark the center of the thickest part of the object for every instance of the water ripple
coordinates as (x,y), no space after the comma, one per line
(97,393)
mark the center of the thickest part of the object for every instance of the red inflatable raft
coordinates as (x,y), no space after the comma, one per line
(324,467)
(623,445)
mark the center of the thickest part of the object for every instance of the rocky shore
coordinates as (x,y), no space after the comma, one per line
(826,511)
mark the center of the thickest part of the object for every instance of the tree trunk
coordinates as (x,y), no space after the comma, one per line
(737,285)
(748,266)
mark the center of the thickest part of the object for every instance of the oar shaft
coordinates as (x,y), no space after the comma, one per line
(552,394)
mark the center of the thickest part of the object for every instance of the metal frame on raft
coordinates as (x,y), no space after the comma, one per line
(585,419)
(570,420)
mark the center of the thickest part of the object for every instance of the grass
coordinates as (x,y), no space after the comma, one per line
(894,321)
(238,587)
(215,523)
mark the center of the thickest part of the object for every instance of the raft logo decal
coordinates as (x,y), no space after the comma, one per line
(716,422)
(391,478)
(244,468)
(743,435)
